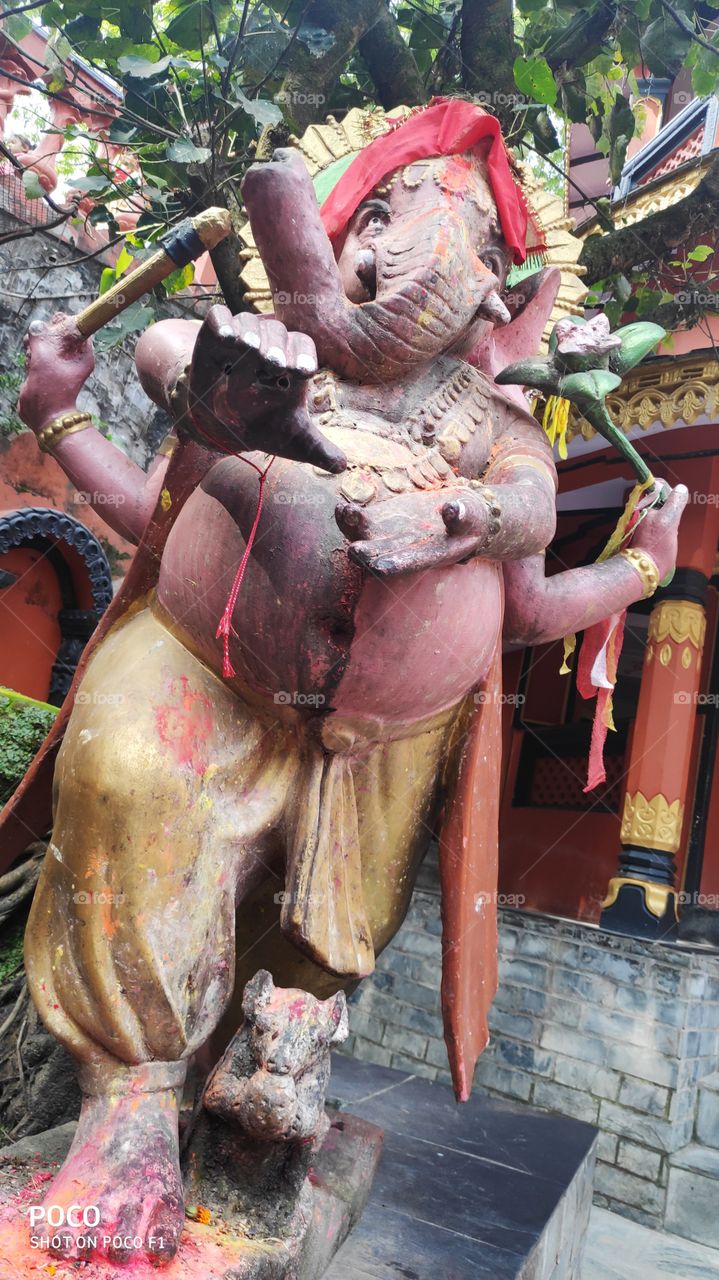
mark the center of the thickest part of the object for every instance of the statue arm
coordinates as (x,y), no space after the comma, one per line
(59,361)
(114,486)
(539,609)
(518,485)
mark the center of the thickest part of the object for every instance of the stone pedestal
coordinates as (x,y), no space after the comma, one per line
(485,1190)
(482,1191)
(341,1179)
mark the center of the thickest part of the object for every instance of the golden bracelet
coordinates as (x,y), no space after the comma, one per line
(65,425)
(645,567)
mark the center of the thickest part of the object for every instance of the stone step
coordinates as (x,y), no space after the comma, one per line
(617,1247)
(708,1111)
(693,1193)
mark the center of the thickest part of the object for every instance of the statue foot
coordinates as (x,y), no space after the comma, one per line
(122,1174)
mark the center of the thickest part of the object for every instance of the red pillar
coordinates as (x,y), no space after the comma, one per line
(641,898)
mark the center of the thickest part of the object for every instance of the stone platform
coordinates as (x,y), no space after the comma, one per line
(485,1190)
(488,1189)
(340,1177)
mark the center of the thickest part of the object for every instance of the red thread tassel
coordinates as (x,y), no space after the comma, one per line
(225,627)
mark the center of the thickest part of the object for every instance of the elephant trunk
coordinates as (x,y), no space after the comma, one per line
(430,284)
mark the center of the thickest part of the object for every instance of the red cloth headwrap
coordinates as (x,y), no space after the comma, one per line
(445,128)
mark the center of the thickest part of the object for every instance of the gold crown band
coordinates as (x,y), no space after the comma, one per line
(57,428)
(645,567)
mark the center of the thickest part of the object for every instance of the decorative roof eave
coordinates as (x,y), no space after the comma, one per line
(674,392)
(661,193)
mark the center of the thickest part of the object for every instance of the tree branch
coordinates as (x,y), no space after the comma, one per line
(656,237)
(686,314)
(22,8)
(685,25)
(488,50)
(311,79)
(391,63)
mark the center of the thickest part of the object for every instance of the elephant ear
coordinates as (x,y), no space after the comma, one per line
(257,996)
(522,337)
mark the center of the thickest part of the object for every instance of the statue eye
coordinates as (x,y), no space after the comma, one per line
(374,216)
(495,260)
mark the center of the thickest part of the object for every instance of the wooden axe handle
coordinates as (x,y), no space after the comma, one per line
(189,240)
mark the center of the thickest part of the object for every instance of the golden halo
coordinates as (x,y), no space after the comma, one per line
(323,144)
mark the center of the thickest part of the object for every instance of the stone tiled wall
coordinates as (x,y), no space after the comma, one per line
(611,1030)
(37,269)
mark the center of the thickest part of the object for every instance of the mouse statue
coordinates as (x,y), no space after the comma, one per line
(298,683)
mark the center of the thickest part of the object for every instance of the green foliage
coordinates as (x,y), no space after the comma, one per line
(11,381)
(202,78)
(533,76)
(11,949)
(23,726)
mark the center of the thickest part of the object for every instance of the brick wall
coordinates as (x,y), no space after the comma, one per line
(611,1030)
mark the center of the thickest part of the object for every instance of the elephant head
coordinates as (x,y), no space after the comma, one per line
(418,272)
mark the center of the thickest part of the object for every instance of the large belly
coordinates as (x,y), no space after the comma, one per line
(314,632)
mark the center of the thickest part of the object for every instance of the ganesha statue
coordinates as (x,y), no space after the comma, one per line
(298,684)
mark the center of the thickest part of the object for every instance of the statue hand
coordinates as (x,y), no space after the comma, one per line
(657,532)
(416,531)
(248,385)
(59,360)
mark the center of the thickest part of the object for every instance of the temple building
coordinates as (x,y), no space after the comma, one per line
(608,1005)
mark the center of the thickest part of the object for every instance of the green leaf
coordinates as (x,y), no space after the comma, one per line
(664,45)
(180,279)
(107,279)
(637,341)
(184,151)
(91,183)
(31,183)
(17,26)
(133,320)
(592,385)
(701,253)
(192,27)
(123,261)
(647,300)
(142,68)
(536,371)
(261,111)
(533,77)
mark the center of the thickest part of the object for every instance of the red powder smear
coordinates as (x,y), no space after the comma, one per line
(203,1253)
(185,724)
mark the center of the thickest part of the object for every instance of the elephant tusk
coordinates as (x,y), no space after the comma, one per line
(492,308)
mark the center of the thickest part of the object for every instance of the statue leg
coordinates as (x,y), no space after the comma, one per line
(169,796)
(398,792)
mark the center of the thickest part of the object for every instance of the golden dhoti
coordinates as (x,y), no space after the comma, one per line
(175,801)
